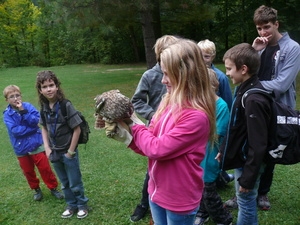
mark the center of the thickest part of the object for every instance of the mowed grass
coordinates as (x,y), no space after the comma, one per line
(113,175)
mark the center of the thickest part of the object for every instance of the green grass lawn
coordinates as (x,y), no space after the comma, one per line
(112,174)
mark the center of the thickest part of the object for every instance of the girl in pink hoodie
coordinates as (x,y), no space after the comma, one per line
(175,141)
(176,138)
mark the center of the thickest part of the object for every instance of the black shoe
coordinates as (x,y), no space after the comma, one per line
(38,195)
(139,213)
(56,193)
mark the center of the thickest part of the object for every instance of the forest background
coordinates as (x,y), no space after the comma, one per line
(56,35)
(49,33)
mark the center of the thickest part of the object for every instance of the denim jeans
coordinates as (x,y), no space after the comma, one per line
(68,172)
(163,216)
(247,214)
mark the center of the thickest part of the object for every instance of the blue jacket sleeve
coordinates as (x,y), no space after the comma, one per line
(22,125)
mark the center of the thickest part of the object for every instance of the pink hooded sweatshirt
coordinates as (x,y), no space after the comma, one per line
(174,150)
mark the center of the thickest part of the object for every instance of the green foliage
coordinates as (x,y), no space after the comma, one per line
(17,32)
(48,33)
(112,174)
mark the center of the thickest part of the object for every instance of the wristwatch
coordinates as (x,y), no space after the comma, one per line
(71,152)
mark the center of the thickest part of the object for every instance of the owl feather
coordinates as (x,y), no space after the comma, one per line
(113,106)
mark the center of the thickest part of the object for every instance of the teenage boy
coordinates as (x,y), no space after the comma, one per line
(280,64)
(246,141)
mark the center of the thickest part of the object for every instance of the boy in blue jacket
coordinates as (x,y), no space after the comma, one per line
(21,120)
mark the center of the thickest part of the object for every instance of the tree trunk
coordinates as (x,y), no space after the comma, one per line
(148,36)
(134,44)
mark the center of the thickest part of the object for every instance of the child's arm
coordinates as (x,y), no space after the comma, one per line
(75,137)
(46,141)
(30,115)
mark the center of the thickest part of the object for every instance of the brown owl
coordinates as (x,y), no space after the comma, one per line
(113,106)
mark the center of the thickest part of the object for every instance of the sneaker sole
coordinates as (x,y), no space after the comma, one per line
(136,220)
(38,199)
(81,217)
(66,217)
(198,220)
(265,208)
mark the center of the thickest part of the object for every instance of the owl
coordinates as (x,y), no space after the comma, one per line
(113,106)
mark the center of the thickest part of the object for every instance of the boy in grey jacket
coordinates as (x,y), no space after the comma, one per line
(145,100)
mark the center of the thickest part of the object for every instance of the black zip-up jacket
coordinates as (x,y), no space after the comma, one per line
(247,139)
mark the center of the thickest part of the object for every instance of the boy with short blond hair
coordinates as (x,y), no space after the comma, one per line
(208,50)
(21,120)
(246,142)
(211,205)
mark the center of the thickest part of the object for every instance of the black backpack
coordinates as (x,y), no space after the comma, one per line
(84,126)
(285,130)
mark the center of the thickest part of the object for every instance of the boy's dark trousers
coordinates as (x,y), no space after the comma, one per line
(212,206)
(266,179)
(145,195)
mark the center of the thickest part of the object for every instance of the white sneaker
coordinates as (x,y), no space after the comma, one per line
(82,213)
(67,213)
(200,220)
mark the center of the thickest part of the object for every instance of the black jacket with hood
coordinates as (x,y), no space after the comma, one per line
(247,139)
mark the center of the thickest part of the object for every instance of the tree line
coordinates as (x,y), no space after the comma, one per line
(48,33)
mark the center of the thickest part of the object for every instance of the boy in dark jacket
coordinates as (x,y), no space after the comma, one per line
(246,142)
(280,64)
(21,120)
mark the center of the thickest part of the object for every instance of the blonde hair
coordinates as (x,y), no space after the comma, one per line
(207,46)
(163,42)
(10,89)
(189,77)
(213,79)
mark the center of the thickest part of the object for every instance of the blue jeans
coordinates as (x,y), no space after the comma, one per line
(68,172)
(247,214)
(163,216)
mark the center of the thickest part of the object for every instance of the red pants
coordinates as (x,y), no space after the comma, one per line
(39,160)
